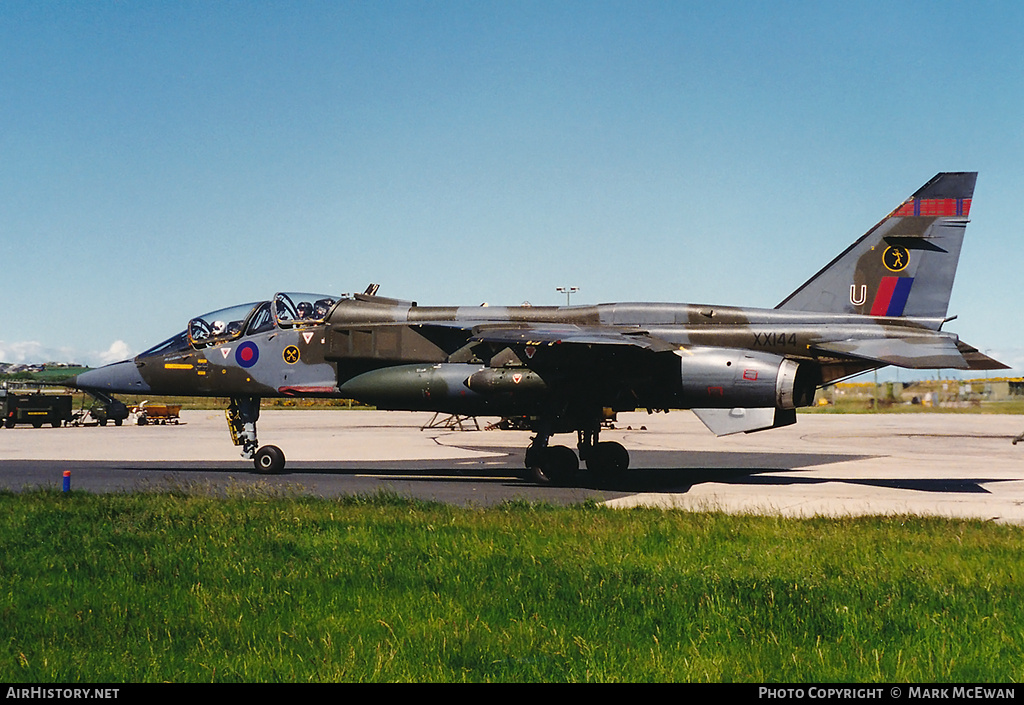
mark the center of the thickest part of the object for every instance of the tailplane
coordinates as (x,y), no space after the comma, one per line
(905,265)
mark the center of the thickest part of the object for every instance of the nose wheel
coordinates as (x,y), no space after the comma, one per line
(269,460)
(242,416)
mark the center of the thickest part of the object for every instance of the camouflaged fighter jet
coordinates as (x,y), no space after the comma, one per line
(881,302)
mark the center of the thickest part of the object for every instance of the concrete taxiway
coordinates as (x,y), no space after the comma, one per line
(949,465)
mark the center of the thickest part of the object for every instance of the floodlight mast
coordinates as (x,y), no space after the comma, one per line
(568,291)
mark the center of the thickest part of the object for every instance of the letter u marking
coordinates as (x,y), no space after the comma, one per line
(858,298)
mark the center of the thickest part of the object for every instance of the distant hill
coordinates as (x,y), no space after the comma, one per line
(40,372)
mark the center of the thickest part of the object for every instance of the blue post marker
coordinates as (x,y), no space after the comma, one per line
(67,480)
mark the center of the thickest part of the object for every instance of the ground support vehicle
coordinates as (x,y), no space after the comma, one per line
(147,413)
(34,408)
(104,409)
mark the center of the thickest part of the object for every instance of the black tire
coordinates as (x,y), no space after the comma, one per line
(608,459)
(555,465)
(269,460)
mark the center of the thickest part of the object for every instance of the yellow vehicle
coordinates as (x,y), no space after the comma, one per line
(147,413)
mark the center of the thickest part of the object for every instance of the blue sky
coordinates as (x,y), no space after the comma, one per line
(161,160)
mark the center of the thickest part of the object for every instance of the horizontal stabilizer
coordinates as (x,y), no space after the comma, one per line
(918,352)
(977,360)
(724,422)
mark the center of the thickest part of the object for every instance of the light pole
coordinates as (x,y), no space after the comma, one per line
(568,291)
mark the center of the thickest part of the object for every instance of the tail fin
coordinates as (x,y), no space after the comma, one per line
(905,265)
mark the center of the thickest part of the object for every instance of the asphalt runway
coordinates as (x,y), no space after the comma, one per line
(948,465)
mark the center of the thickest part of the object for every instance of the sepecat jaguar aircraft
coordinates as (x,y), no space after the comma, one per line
(882,301)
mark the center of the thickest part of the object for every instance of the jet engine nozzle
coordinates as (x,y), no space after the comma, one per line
(725,378)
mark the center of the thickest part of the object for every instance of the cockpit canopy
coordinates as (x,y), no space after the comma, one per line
(295,310)
(285,310)
(218,326)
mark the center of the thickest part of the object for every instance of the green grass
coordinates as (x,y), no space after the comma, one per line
(257,586)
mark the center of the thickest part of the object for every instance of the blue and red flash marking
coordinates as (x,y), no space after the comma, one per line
(935,207)
(247,354)
(891,298)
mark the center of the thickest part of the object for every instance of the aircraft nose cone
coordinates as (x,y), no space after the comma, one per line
(121,377)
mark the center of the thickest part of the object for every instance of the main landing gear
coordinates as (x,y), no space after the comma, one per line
(242,416)
(558,465)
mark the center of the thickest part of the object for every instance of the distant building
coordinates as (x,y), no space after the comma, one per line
(927,392)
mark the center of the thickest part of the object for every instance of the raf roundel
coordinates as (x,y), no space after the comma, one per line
(247,354)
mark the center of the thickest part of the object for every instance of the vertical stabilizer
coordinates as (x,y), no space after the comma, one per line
(905,265)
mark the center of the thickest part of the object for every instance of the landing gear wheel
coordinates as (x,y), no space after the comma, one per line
(554,465)
(269,460)
(608,459)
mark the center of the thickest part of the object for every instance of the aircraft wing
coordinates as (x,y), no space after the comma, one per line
(926,350)
(540,335)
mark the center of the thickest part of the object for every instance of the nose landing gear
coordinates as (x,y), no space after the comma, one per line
(242,416)
(269,459)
